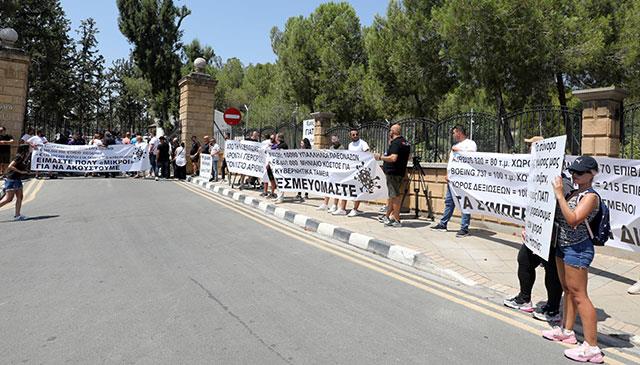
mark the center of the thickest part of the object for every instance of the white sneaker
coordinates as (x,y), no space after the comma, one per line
(322,207)
(339,212)
(156,178)
(354,213)
(332,209)
(634,289)
(19,218)
(382,209)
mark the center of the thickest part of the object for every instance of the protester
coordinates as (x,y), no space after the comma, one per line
(227,136)
(139,141)
(162,158)
(269,144)
(574,254)
(34,141)
(357,145)
(153,152)
(174,147)
(77,140)
(194,156)
(16,171)
(395,168)
(5,149)
(282,145)
(527,264)
(305,144)
(215,158)
(180,161)
(335,145)
(463,144)
(109,140)
(26,136)
(127,138)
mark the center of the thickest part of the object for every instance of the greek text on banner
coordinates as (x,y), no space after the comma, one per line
(65,158)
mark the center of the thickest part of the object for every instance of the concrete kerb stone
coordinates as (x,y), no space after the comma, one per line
(396,253)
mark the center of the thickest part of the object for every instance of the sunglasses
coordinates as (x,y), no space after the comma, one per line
(578,173)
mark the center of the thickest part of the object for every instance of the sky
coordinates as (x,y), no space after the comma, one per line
(238,28)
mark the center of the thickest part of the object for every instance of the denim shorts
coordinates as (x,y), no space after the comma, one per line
(578,255)
(12,185)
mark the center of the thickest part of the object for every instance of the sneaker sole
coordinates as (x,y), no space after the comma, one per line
(526,310)
(593,360)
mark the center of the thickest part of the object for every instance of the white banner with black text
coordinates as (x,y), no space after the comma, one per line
(246,158)
(66,158)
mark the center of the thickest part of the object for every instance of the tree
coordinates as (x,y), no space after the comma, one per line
(89,79)
(153,27)
(129,96)
(228,91)
(194,50)
(628,49)
(43,33)
(404,57)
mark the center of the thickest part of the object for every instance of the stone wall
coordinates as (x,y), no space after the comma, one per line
(14,69)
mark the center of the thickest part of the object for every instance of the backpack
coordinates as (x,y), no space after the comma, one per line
(600,226)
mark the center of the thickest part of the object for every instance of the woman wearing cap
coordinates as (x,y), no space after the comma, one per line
(574,254)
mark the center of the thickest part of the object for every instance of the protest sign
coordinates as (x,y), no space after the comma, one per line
(66,158)
(618,184)
(206,166)
(546,164)
(338,174)
(308,129)
(492,184)
(246,158)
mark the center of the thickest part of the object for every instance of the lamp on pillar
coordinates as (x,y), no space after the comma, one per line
(323,123)
(601,120)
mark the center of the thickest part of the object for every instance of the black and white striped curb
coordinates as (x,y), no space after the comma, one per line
(388,250)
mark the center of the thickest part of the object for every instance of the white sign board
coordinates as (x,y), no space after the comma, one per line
(308,128)
(618,183)
(206,166)
(67,158)
(492,184)
(547,160)
(246,158)
(338,174)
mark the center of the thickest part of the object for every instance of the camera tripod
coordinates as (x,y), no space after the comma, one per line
(416,170)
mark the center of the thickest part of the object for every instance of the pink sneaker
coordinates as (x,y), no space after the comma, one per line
(585,353)
(556,334)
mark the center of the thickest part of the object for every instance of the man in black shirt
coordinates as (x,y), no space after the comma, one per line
(194,155)
(395,168)
(162,158)
(5,149)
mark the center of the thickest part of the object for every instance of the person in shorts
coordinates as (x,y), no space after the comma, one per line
(395,168)
(16,171)
(574,254)
(5,149)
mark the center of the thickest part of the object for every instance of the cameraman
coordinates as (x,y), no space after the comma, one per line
(463,144)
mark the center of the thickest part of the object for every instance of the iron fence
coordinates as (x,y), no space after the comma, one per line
(630,132)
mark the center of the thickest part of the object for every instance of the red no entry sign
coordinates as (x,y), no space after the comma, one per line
(232,116)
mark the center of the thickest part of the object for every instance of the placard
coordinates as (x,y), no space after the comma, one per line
(72,158)
(246,158)
(206,166)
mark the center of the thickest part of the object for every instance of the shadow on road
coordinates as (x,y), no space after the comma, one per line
(35,218)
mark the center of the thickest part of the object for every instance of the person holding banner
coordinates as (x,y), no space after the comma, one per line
(335,145)
(463,144)
(395,169)
(574,254)
(215,157)
(180,161)
(305,144)
(359,145)
(194,155)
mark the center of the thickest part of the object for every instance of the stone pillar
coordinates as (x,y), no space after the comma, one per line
(197,92)
(323,123)
(14,73)
(601,118)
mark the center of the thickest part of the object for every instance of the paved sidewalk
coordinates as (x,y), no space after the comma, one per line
(486,258)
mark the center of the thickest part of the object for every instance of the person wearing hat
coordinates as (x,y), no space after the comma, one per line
(574,254)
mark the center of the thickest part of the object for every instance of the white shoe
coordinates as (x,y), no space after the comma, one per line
(383,209)
(354,213)
(156,178)
(339,212)
(332,209)
(19,218)
(634,289)
(322,207)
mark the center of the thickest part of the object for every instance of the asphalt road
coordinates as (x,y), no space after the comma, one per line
(130,271)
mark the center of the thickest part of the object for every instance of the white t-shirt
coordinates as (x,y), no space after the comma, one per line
(181,159)
(97,142)
(35,140)
(215,152)
(153,144)
(466,146)
(359,145)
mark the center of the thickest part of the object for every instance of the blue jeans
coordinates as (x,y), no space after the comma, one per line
(214,169)
(154,166)
(449,206)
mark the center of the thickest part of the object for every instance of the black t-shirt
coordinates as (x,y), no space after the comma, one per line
(205,149)
(20,164)
(163,152)
(194,148)
(5,148)
(283,146)
(399,146)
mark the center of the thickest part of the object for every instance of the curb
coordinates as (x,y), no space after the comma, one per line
(385,249)
(423,261)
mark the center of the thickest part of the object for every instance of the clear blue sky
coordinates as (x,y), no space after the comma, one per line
(238,28)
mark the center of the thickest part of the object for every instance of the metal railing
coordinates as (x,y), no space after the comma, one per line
(630,132)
